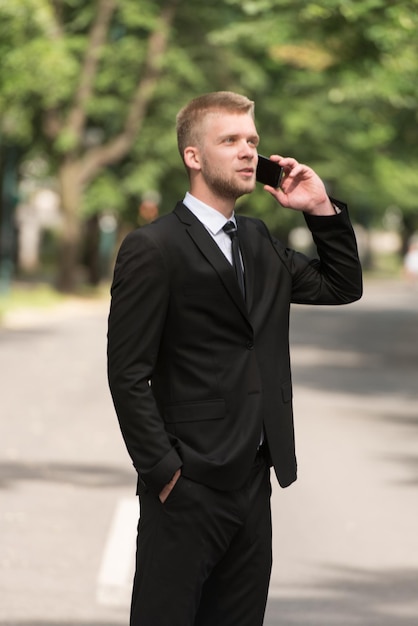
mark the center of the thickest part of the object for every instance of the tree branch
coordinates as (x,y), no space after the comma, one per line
(52,119)
(56,8)
(99,157)
(53,123)
(77,117)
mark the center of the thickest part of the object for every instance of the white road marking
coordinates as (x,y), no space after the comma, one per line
(114,583)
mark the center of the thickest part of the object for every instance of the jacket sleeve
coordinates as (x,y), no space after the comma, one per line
(140,294)
(335,276)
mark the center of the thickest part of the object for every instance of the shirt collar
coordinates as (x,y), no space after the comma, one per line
(210,217)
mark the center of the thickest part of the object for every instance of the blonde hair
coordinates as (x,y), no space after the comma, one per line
(190,117)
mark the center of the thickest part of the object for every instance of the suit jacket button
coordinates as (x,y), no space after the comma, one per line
(250,345)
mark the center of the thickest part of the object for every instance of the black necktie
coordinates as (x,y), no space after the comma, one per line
(231,230)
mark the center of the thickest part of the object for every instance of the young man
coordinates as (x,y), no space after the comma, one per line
(199,368)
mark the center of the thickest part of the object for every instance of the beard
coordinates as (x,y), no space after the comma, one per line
(223,185)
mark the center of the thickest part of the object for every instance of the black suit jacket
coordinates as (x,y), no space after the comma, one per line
(194,371)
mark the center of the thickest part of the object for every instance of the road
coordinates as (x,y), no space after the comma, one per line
(345,535)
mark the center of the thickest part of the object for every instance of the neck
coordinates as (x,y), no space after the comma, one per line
(225,206)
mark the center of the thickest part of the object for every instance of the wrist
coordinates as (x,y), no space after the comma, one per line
(325,208)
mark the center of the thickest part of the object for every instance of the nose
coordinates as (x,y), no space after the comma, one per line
(247,150)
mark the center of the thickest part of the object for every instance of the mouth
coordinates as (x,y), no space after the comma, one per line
(248,172)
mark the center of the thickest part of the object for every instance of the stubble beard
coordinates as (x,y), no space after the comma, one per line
(225,186)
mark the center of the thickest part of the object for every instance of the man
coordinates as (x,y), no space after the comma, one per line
(199,370)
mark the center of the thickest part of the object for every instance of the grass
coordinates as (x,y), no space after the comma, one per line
(42,296)
(385,266)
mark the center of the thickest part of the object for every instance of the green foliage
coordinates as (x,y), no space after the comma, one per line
(343,75)
(104,194)
(334,84)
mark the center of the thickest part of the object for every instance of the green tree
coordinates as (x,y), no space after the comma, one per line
(94,86)
(339,91)
(74,61)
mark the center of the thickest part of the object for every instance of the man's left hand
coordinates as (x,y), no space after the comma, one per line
(301,188)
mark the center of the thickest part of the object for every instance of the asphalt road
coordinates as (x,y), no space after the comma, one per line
(345,535)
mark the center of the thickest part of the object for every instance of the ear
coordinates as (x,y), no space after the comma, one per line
(192,158)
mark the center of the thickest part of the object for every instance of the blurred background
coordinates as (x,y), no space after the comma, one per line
(89,91)
(88,97)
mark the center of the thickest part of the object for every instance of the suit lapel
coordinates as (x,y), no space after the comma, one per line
(210,250)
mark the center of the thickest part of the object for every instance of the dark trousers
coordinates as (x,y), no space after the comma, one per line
(204,556)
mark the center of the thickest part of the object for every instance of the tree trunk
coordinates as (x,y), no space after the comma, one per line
(91,255)
(409,226)
(75,174)
(69,238)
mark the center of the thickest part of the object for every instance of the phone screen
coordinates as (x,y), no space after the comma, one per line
(268,172)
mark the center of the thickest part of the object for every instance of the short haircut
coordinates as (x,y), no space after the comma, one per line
(191,116)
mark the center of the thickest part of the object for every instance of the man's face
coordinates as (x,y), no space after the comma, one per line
(228,154)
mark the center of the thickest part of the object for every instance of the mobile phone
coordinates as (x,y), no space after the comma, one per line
(268,172)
